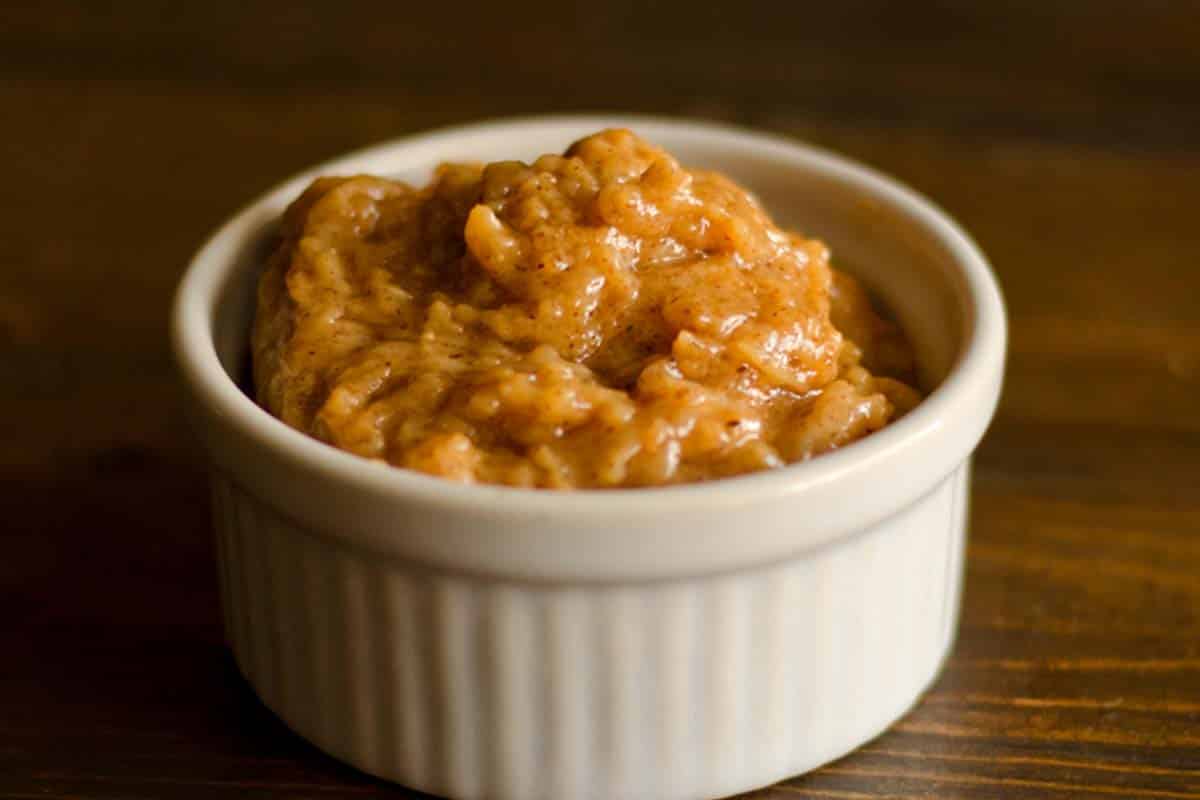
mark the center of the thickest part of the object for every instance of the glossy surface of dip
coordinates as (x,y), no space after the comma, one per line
(599,319)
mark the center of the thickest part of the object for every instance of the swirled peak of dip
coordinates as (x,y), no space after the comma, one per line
(601,318)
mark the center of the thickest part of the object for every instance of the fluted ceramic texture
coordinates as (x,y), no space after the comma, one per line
(472,687)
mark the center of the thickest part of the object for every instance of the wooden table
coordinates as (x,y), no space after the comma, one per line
(1066,136)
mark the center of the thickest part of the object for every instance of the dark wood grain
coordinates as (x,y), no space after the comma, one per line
(1064,134)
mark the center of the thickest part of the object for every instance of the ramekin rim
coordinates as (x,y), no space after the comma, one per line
(979,357)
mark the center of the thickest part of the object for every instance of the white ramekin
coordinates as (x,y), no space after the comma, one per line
(684,642)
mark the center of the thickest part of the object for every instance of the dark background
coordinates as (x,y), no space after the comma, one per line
(1065,134)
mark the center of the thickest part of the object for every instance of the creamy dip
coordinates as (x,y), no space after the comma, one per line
(601,318)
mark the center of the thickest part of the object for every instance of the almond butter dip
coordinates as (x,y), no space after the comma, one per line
(602,318)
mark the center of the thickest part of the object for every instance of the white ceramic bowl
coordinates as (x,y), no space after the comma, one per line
(683,642)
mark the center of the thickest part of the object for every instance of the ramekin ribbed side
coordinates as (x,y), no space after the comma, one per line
(474,686)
